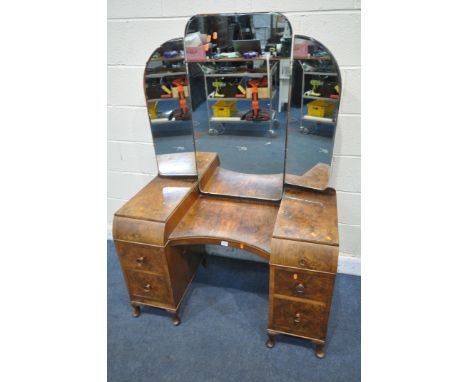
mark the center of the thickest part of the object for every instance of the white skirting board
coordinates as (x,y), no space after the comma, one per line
(346,264)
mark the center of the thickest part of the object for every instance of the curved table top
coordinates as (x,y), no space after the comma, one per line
(235,223)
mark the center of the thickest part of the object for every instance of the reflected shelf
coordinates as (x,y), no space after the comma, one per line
(318,119)
(165,99)
(322,98)
(211,98)
(312,57)
(273,69)
(165,74)
(237,118)
(239,59)
(166,120)
(240,74)
(179,58)
(320,73)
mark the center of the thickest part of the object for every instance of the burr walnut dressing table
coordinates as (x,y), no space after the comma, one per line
(211,189)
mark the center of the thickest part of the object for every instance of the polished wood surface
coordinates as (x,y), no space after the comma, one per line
(303,255)
(138,231)
(205,162)
(303,264)
(308,216)
(182,266)
(157,200)
(299,318)
(299,237)
(227,182)
(309,285)
(156,276)
(316,178)
(242,224)
(151,215)
(140,257)
(148,285)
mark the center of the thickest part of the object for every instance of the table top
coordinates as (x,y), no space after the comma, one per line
(309,216)
(240,223)
(158,199)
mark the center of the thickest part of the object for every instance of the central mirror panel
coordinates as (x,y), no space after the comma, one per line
(168,104)
(238,66)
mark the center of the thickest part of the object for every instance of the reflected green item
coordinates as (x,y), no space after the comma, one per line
(218,85)
(315,85)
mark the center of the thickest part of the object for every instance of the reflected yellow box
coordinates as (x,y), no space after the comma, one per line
(224,108)
(320,108)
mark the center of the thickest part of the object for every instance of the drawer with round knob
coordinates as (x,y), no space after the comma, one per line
(148,285)
(310,256)
(141,257)
(303,319)
(314,286)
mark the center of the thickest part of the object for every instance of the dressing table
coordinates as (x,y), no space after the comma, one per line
(282,213)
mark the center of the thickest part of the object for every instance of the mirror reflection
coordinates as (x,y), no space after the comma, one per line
(168,103)
(238,75)
(315,100)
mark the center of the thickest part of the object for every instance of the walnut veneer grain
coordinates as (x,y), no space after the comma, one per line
(299,237)
(308,216)
(242,224)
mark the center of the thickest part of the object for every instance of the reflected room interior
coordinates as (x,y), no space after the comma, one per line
(315,100)
(238,77)
(168,103)
(230,90)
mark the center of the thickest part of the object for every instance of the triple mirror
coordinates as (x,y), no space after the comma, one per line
(243,87)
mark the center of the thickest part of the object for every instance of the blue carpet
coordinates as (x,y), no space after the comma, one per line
(223,332)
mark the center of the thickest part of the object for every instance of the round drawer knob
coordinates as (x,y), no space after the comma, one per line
(140,261)
(297,318)
(147,288)
(301,262)
(300,289)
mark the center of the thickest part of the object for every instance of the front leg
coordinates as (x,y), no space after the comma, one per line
(174,317)
(136,310)
(271,340)
(320,351)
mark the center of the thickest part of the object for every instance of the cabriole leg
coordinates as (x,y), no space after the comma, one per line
(320,351)
(271,341)
(136,310)
(174,317)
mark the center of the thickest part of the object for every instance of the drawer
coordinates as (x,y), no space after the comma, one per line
(309,285)
(318,257)
(148,285)
(141,257)
(303,319)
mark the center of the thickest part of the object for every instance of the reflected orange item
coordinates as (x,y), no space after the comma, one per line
(255,104)
(180,89)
